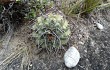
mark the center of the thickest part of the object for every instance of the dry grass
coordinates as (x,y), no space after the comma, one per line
(70,7)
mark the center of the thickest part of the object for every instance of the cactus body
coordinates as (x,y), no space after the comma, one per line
(51,31)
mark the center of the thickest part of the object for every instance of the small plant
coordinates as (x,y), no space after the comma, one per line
(38,6)
(51,31)
(90,5)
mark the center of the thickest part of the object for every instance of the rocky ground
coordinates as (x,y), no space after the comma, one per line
(92,43)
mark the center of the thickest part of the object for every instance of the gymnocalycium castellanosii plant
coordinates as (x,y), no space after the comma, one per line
(51,31)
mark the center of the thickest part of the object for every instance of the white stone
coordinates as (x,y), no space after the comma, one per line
(71,57)
(99,26)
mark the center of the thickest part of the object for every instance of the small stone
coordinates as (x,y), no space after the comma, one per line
(71,57)
(81,43)
(30,65)
(99,26)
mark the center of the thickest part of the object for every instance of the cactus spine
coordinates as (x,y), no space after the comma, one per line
(51,31)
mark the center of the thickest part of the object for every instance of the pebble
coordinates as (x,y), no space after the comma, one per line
(71,57)
(31,65)
(99,26)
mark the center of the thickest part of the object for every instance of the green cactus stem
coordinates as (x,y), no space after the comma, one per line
(51,31)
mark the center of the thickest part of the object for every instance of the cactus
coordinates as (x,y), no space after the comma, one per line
(51,31)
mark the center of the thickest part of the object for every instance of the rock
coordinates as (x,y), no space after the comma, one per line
(99,26)
(71,57)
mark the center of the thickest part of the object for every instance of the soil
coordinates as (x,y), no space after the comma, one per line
(92,43)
